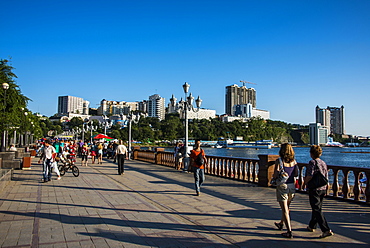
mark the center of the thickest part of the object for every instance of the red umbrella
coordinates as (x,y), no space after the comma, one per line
(102,136)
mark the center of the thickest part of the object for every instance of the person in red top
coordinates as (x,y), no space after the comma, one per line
(197,162)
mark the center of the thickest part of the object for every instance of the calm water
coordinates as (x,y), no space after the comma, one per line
(331,155)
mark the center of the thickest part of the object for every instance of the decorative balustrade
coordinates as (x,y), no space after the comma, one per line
(343,180)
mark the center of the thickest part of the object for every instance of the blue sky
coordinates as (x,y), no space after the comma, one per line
(300,53)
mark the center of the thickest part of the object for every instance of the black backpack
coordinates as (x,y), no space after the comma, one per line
(200,159)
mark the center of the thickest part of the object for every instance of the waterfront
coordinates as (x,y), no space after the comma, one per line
(331,155)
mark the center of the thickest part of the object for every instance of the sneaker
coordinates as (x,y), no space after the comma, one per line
(310,229)
(58,178)
(326,234)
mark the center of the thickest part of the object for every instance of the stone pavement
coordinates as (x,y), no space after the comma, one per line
(156,206)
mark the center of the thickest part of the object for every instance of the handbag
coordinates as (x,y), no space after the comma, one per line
(282,177)
(318,180)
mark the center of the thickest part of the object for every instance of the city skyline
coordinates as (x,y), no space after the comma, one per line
(299,54)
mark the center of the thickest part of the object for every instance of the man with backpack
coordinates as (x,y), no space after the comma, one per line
(197,162)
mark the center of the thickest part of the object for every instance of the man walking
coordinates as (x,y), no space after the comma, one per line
(197,162)
(48,158)
(121,154)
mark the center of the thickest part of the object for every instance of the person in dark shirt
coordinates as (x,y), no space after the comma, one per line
(316,196)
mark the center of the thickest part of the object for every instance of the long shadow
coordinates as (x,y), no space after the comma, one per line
(184,241)
(261,211)
(88,220)
(166,240)
(264,211)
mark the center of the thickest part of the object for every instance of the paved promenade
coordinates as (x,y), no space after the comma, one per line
(156,206)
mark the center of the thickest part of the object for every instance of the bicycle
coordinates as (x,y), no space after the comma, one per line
(67,165)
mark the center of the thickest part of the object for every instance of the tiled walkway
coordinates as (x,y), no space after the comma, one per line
(156,206)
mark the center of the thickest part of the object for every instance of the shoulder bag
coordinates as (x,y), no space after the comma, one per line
(318,179)
(282,177)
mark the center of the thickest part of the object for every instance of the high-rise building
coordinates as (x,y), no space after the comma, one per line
(318,134)
(332,118)
(238,95)
(116,108)
(72,104)
(156,107)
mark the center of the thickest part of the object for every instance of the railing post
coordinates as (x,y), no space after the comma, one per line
(135,154)
(345,186)
(335,186)
(356,187)
(367,189)
(266,169)
(158,155)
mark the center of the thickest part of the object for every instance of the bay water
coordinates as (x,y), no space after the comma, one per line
(341,156)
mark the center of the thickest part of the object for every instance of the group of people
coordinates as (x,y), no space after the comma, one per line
(286,163)
(285,192)
(50,150)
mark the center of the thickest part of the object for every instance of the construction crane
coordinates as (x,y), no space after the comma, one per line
(245,82)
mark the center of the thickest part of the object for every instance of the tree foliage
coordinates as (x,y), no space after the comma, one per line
(172,128)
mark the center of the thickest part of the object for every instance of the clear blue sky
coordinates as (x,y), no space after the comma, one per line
(299,53)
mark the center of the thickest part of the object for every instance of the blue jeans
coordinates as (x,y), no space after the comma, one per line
(47,170)
(199,178)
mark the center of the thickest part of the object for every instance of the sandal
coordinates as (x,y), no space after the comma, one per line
(279,225)
(288,235)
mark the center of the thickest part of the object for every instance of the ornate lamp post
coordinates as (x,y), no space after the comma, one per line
(3,143)
(188,106)
(106,124)
(131,117)
(91,128)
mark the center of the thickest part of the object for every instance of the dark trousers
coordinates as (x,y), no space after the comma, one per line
(47,170)
(121,163)
(316,198)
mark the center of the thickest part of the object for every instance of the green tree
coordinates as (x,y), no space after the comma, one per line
(13,105)
(13,102)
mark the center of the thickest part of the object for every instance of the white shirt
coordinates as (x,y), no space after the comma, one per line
(48,151)
(121,149)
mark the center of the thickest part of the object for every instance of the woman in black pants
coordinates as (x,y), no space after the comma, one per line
(317,195)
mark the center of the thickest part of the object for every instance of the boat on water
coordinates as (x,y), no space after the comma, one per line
(332,143)
(260,144)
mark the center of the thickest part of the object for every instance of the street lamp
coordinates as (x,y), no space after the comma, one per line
(3,143)
(91,128)
(106,124)
(188,106)
(131,117)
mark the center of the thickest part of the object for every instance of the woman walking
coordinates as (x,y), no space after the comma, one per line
(93,152)
(285,192)
(316,195)
(100,153)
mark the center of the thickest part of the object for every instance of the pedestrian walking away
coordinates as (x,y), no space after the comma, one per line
(179,153)
(285,166)
(316,194)
(197,162)
(100,153)
(121,154)
(84,155)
